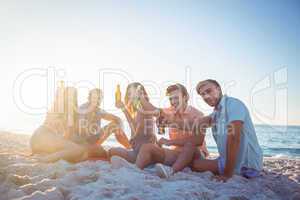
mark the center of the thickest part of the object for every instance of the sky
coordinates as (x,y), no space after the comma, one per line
(251,47)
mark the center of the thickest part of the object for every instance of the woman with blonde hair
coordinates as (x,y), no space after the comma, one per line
(53,137)
(141,123)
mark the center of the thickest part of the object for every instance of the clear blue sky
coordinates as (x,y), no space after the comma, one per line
(239,43)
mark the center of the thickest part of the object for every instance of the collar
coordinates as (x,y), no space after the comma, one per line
(221,103)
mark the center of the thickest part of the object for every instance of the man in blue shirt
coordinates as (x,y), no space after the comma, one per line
(233,131)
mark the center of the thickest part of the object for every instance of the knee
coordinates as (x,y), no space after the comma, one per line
(193,166)
(113,151)
(190,146)
(96,151)
(116,122)
(109,126)
(147,148)
(34,146)
(73,146)
(79,149)
(113,127)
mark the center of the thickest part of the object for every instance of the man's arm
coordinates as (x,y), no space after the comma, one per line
(233,144)
(171,120)
(197,140)
(148,108)
(196,125)
(135,127)
(110,117)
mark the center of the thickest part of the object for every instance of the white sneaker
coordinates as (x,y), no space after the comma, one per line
(118,162)
(163,171)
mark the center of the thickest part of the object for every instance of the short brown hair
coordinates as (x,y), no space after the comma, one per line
(201,83)
(97,91)
(179,87)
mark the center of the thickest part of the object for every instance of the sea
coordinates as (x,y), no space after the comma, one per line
(275,141)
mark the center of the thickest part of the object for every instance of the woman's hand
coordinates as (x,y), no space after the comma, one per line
(164,141)
(120,105)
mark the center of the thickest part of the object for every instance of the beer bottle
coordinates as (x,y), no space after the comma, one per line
(118,94)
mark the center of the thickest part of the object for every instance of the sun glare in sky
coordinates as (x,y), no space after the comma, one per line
(251,48)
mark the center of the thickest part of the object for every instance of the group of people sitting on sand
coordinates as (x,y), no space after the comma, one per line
(76,135)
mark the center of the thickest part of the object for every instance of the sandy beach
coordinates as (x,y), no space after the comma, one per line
(21,177)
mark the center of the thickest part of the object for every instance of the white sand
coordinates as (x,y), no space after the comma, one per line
(23,178)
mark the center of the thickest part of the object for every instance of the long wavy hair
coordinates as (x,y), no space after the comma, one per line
(131,107)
